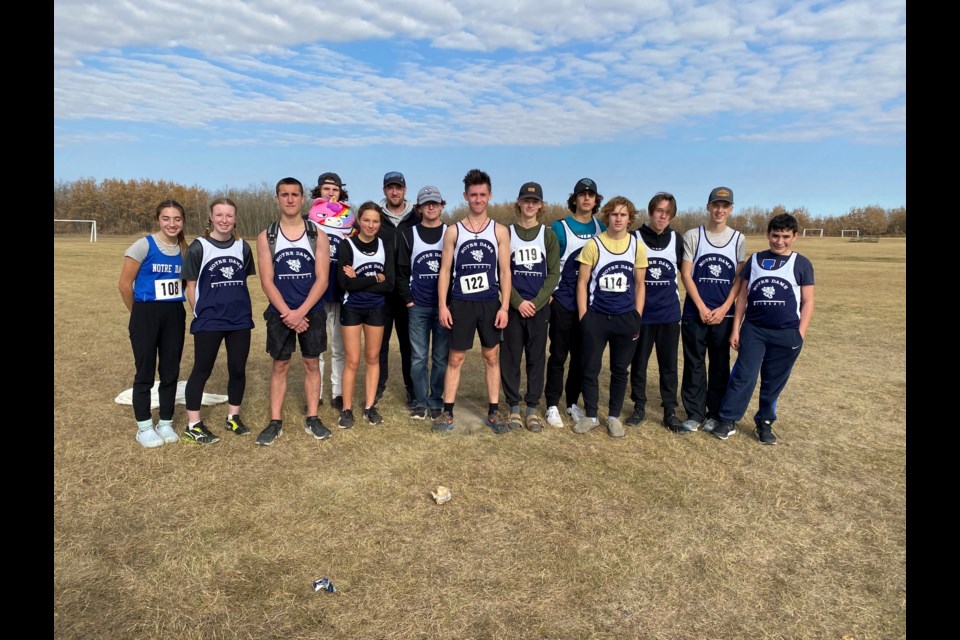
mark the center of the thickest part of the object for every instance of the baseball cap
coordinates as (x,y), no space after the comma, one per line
(585,184)
(721,193)
(531,190)
(394,177)
(330,178)
(429,194)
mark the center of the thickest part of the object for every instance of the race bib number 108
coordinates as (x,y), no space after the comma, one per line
(166,289)
(474,283)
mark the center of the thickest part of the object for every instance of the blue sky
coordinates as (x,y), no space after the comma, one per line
(795,103)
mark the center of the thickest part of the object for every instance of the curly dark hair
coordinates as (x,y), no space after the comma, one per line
(572,204)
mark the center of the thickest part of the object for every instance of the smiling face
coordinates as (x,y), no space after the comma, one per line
(223,220)
(720,210)
(529,209)
(477,197)
(369,224)
(171,223)
(781,240)
(395,194)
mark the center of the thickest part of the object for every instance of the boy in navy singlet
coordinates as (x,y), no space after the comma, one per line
(774,309)
(475,278)
(712,256)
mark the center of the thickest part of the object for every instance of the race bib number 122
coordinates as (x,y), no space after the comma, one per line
(474,283)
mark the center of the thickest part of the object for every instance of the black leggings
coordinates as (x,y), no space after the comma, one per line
(206,344)
(156,334)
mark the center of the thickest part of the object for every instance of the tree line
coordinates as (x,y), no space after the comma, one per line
(128,207)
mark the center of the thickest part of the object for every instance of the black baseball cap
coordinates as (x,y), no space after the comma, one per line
(531,190)
(330,178)
(721,193)
(585,184)
(394,177)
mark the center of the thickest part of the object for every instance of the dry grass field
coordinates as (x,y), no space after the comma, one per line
(550,535)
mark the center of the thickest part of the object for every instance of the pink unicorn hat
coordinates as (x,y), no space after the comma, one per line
(333,215)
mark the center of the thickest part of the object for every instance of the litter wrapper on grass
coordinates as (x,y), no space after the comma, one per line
(442,494)
(324,584)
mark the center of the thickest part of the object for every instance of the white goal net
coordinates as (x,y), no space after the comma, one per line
(68,227)
(850,233)
(813,233)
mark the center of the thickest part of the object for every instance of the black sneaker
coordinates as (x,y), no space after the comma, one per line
(725,429)
(236,425)
(346,419)
(673,423)
(372,415)
(765,432)
(338,403)
(411,399)
(377,398)
(270,433)
(419,413)
(497,423)
(637,416)
(316,428)
(435,413)
(199,434)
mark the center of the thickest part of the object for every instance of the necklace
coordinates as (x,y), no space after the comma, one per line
(164,243)
(473,228)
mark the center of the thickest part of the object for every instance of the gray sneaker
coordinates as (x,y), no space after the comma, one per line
(270,433)
(576,413)
(689,426)
(710,425)
(585,424)
(615,428)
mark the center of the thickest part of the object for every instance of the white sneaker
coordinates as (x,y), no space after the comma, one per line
(149,438)
(166,432)
(575,413)
(553,417)
(710,424)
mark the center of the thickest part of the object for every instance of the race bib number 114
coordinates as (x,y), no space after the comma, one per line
(613,283)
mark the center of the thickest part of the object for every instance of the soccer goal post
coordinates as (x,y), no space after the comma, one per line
(93,227)
(813,233)
(850,233)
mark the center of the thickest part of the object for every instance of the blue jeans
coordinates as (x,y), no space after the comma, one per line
(769,354)
(424,322)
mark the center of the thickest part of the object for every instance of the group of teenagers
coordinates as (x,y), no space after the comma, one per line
(347,279)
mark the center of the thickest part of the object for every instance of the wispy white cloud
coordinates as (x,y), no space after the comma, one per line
(481,72)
